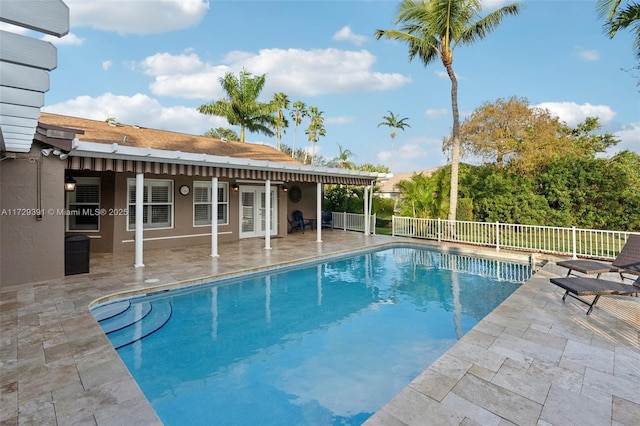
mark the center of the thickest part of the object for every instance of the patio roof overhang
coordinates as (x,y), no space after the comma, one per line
(118,158)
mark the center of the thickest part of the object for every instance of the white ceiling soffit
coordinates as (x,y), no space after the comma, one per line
(25,63)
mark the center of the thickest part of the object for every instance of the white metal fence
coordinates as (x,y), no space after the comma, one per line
(546,239)
(352,221)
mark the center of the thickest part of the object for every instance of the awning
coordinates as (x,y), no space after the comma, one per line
(173,169)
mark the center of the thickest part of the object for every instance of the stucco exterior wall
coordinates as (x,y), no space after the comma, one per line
(183,232)
(31,250)
(307,203)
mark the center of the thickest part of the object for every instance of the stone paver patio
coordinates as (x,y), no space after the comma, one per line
(533,360)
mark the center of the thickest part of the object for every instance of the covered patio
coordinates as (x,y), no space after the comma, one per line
(533,360)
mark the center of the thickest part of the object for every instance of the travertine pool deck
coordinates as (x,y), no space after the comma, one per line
(533,360)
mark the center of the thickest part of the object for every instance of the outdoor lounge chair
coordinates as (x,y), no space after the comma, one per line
(327,220)
(584,286)
(299,222)
(628,260)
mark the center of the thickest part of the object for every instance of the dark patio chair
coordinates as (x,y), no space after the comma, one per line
(327,220)
(299,222)
(583,286)
(627,261)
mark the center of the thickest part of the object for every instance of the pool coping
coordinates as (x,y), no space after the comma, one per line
(58,366)
(148,290)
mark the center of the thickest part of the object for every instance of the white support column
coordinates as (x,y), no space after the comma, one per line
(267,214)
(214,217)
(139,220)
(366,210)
(372,232)
(318,212)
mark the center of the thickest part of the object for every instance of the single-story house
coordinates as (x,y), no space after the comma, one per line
(388,187)
(136,188)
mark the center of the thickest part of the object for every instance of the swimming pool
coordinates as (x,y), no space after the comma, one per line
(324,343)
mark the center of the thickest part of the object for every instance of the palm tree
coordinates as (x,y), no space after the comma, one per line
(433,29)
(280,101)
(241,106)
(343,159)
(392,121)
(315,130)
(422,196)
(619,18)
(298,112)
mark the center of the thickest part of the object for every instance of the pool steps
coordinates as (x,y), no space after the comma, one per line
(125,323)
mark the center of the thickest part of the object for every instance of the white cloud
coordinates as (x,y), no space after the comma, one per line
(68,40)
(441,74)
(490,5)
(141,109)
(434,113)
(183,76)
(339,120)
(166,64)
(629,138)
(573,113)
(587,54)
(296,72)
(417,154)
(106,65)
(345,34)
(137,17)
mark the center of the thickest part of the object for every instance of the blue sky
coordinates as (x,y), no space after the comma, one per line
(154,62)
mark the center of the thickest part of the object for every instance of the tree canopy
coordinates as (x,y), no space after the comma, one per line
(557,177)
(510,132)
(222,133)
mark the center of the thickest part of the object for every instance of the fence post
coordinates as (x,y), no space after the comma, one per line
(439,230)
(497,236)
(573,232)
(344,221)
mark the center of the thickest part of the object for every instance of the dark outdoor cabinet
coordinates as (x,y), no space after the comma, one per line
(76,254)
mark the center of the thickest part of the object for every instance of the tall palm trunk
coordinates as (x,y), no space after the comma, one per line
(393,138)
(455,136)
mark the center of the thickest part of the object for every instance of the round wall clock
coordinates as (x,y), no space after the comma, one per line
(295,194)
(184,190)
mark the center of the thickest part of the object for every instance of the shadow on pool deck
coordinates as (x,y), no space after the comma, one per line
(533,360)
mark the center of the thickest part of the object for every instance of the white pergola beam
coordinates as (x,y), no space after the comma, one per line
(45,16)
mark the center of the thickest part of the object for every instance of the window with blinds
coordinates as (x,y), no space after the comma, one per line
(83,205)
(202,203)
(157,204)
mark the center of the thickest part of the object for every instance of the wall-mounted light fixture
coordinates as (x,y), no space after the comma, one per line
(55,151)
(69,184)
(284,188)
(235,187)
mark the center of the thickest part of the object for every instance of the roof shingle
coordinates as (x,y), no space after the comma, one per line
(141,137)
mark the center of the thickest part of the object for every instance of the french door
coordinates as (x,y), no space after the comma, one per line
(252,211)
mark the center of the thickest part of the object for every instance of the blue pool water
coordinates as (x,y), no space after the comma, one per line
(322,344)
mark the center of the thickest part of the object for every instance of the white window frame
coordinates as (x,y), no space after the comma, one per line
(147,205)
(87,208)
(224,202)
